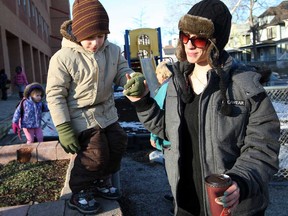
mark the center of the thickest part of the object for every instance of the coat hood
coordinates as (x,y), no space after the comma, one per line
(66,31)
(69,40)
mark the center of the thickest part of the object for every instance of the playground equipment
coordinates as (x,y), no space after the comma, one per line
(143,50)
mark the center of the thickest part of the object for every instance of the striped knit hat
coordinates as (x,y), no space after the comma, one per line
(89,18)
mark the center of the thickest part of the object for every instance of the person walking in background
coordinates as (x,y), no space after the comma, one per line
(217,117)
(3,84)
(20,80)
(28,114)
(81,102)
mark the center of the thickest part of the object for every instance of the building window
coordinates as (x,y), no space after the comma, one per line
(33,10)
(247,39)
(19,2)
(29,8)
(24,5)
(36,17)
(271,33)
(41,21)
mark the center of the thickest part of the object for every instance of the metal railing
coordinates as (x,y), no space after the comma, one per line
(279,98)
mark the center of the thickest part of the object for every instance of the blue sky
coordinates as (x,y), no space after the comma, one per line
(124,14)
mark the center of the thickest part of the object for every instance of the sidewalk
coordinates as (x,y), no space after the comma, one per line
(40,151)
(7,109)
(49,151)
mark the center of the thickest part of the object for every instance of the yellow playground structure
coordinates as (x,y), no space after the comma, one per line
(143,50)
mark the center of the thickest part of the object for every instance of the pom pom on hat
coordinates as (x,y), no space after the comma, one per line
(89,18)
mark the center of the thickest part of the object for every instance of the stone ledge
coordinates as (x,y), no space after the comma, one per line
(34,152)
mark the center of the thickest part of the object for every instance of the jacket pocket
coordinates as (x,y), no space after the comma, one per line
(231,129)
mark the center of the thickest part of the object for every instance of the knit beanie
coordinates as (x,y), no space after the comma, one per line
(219,14)
(29,88)
(210,19)
(89,18)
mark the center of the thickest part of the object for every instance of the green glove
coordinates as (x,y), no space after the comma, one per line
(135,86)
(67,137)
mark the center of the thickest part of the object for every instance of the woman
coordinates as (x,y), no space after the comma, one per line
(217,117)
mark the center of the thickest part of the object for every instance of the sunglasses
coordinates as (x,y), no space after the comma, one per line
(196,41)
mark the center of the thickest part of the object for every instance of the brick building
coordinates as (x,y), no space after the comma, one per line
(29,35)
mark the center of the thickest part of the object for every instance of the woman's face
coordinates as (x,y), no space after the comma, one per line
(93,43)
(195,48)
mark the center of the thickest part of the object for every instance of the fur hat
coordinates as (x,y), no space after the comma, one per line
(89,18)
(210,19)
(29,88)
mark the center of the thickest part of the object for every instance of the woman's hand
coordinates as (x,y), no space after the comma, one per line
(231,197)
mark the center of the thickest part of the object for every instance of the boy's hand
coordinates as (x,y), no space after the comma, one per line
(135,85)
(68,139)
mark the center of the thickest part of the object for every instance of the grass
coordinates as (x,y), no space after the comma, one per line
(27,183)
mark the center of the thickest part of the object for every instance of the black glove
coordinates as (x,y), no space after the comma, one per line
(67,137)
(135,86)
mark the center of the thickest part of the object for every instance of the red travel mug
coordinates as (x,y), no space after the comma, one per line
(216,185)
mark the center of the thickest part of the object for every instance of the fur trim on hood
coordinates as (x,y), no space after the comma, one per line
(66,31)
(200,26)
(29,88)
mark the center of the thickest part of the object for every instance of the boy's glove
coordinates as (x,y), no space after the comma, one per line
(15,127)
(68,139)
(135,86)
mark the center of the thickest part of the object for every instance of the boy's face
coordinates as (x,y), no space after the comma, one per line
(93,43)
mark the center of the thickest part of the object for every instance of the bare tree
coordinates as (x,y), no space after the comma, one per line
(175,10)
(242,10)
(140,21)
(247,11)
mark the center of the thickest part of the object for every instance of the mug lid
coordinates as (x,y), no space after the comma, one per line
(218,180)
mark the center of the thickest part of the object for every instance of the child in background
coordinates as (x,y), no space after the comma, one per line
(20,80)
(28,113)
(163,74)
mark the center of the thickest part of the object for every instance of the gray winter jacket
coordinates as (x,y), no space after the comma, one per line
(244,144)
(79,84)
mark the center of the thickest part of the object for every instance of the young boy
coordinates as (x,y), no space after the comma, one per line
(80,98)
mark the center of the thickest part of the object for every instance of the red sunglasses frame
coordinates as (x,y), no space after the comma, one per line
(194,40)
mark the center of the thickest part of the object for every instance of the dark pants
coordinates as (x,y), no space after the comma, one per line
(100,155)
(21,95)
(4,93)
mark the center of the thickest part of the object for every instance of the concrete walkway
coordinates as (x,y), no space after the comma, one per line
(7,109)
(40,152)
(49,151)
